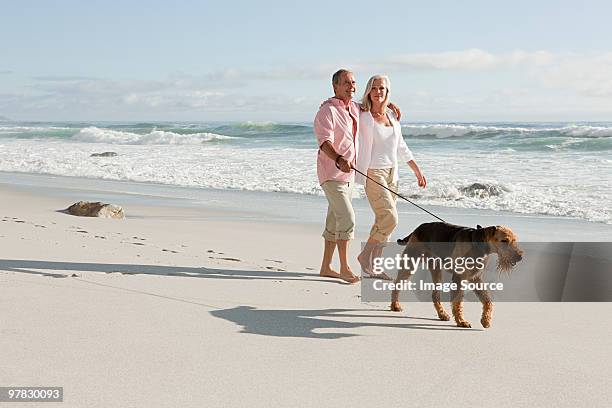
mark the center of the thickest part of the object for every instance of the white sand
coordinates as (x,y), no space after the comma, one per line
(142,326)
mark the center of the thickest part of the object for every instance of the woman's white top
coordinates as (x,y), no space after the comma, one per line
(380,146)
(383,148)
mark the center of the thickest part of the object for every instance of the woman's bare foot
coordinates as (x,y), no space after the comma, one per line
(365,262)
(366,268)
(382,276)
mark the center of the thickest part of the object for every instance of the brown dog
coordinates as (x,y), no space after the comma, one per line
(460,242)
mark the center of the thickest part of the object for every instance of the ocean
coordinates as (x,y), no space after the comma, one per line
(558,169)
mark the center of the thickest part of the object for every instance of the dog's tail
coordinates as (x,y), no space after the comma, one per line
(404,241)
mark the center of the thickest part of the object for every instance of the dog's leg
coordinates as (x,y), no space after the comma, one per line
(487,305)
(436,276)
(403,274)
(457,301)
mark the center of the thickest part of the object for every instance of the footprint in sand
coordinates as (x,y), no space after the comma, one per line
(101,237)
(137,243)
(274,260)
(228,259)
(39,226)
(169,250)
(274,268)
(83,232)
(140,239)
(20,222)
(309,268)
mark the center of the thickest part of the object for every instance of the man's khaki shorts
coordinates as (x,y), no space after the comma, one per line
(340,221)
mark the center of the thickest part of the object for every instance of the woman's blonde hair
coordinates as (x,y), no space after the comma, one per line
(366,103)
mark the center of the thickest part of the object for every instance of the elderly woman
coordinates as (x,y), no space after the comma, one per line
(381,146)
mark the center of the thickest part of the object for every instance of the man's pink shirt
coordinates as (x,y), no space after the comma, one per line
(334,123)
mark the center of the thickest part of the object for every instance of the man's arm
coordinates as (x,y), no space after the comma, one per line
(391,105)
(395,110)
(340,161)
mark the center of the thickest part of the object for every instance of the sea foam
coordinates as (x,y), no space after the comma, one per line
(458,130)
(93,134)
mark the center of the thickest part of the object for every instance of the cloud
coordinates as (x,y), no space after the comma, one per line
(178,95)
(588,75)
(314,72)
(469,60)
(6,72)
(548,82)
(61,78)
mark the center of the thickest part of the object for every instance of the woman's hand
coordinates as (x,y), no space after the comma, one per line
(421,180)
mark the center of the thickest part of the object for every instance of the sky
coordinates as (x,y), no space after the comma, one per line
(467,61)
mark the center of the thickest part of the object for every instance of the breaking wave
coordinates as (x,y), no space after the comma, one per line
(155,137)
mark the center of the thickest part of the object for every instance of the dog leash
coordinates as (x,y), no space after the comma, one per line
(398,194)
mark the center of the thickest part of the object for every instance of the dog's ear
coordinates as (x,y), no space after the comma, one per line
(478,226)
(479,242)
(478,235)
(489,233)
(403,241)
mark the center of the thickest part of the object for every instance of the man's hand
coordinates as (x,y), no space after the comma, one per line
(343,164)
(395,110)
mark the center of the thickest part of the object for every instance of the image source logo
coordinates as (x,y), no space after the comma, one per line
(548,271)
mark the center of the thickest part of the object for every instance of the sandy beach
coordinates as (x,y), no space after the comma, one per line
(215,128)
(195,302)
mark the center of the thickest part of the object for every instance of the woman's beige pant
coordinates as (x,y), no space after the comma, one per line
(383,203)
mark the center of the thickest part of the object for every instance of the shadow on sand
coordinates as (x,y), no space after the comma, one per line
(307,323)
(44,268)
(266,322)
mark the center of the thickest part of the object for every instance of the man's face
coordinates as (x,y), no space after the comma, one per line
(345,89)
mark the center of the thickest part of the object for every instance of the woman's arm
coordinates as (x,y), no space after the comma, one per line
(417,172)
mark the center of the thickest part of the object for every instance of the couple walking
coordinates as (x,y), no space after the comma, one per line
(366,136)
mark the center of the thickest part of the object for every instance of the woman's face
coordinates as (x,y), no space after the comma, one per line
(379,90)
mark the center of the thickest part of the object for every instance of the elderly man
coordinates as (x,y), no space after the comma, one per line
(336,126)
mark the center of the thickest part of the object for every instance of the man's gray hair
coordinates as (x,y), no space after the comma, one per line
(338,74)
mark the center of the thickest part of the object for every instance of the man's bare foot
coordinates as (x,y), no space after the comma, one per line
(329,273)
(348,276)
